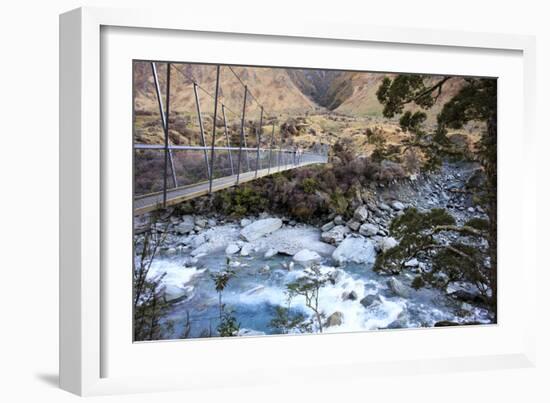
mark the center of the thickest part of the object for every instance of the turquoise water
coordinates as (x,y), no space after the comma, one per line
(254,293)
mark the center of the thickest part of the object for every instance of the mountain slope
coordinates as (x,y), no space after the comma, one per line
(271,87)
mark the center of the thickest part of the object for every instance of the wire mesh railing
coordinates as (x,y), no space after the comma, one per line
(226,149)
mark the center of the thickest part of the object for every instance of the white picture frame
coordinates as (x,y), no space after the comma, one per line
(85,345)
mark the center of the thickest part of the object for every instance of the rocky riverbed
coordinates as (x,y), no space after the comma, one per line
(268,252)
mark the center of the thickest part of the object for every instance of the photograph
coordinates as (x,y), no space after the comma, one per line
(275,200)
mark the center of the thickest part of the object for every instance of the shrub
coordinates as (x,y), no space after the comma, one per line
(310,185)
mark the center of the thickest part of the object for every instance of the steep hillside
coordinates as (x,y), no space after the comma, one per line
(361,89)
(316,84)
(272,87)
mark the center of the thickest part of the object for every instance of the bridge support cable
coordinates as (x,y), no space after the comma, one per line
(163,117)
(214,128)
(271,147)
(166,150)
(259,139)
(242,139)
(227,140)
(201,127)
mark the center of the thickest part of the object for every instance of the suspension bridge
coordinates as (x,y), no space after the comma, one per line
(167,174)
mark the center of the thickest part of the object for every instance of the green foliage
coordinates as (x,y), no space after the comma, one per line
(338,203)
(478,223)
(221,279)
(395,94)
(309,286)
(241,201)
(228,326)
(455,261)
(284,321)
(412,122)
(310,185)
(149,302)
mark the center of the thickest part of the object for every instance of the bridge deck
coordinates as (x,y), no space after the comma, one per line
(147,203)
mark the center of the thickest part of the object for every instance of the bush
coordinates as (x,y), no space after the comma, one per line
(310,185)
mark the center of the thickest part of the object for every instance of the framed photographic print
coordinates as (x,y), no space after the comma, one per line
(244,192)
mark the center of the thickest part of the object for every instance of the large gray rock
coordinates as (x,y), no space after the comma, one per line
(260,228)
(201,222)
(361,213)
(245,221)
(232,248)
(335,235)
(336,319)
(370,299)
(197,240)
(412,263)
(353,224)
(307,257)
(368,229)
(398,288)
(186,226)
(349,296)
(357,250)
(328,226)
(397,205)
(270,253)
(338,220)
(247,249)
(387,243)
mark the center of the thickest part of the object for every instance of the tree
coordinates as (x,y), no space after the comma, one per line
(420,234)
(149,300)
(228,325)
(475,101)
(309,287)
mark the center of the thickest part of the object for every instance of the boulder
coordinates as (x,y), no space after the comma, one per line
(361,213)
(328,226)
(349,296)
(398,288)
(353,225)
(368,229)
(338,220)
(387,243)
(246,249)
(335,276)
(186,226)
(397,205)
(384,207)
(336,319)
(306,257)
(232,248)
(412,263)
(358,250)
(245,221)
(197,240)
(200,222)
(369,300)
(335,235)
(260,228)
(270,253)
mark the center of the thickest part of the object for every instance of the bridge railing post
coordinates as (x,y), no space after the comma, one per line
(242,138)
(258,139)
(227,140)
(165,179)
(214,129)
(163,118)
(201,127)
(271,147)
